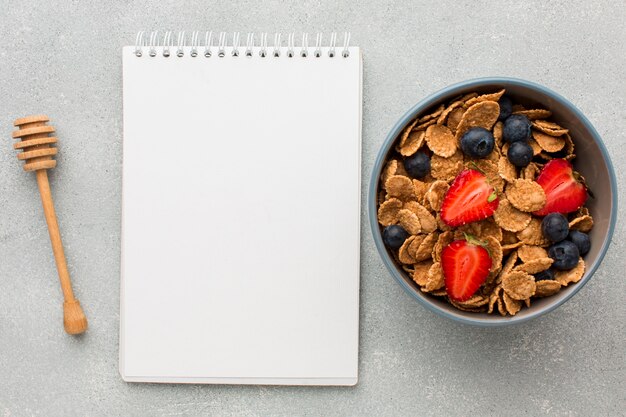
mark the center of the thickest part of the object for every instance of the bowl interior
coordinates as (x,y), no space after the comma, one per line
(591,161)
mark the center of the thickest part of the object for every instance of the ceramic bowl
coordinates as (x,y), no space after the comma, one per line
(592,161)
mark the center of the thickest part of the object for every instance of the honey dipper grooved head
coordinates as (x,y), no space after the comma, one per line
(36,142)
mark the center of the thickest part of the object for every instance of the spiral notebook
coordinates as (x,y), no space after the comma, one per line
(240,209)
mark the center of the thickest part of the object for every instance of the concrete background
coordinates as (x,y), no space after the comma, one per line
(63,58)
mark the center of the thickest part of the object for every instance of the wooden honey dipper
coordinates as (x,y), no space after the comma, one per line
(37,152)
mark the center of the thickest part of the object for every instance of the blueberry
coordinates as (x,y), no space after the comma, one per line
(547,274)
(506,107)
(516,128)
(555,227)
(417,165)
(394,236)
(565,255)
(520,154)
(477,142)
(581,240)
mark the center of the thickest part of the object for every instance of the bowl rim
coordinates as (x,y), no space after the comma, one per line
(491,321)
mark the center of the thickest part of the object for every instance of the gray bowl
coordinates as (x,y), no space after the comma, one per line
(592,162)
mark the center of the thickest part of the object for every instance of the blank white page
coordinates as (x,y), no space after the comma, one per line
(240,220)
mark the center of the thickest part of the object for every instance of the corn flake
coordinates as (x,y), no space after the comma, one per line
(409,221)
(388,212)
(526,195)
(440,140)
(527,253)
(485,97)
(573,275)
(425,249)
(519,285)
(532,234)
(403,252)
(535,265)
(484,114)
(420,274)
(436,280)
(413,142)
(583,223)
(547,287)
(535,114)
(511,305)
(446,168)
(509,218)
(401,187)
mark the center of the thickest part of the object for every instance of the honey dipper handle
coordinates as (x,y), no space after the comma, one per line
(55,235)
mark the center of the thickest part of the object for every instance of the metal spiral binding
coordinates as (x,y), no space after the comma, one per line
(151,45)
(194,44)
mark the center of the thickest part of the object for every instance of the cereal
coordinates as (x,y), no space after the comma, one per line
(440,140)
(526,195)
(535,265)
(446,168)
(493,298)
(483,114)
(529,172)
(433,115)
(532,234)
(527,253)
(444,115)
(454,118)
(535,114)
(420,188)
(413,142)
(547,288)
(488,227)
(420,274)
(484,97)
(519,285)
(583,223)
(388,212)
(495,252)
(468,97)
(512,235)
(390,169)
(403,252)
(549,128)
(509,218)
(506,169)
(509,237)
(425,250)
(435,194)
(435,278)
(511,305)
(536,147)
(573,275)
(409,221)
(443,240)
(497,134)
(549,143)
(401,187)
(415,244)
(424,125)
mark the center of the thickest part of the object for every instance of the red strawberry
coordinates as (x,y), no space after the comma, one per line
(466,265)
(469,199)
(564,193)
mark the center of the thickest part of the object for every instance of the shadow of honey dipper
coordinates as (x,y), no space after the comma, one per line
(37,151)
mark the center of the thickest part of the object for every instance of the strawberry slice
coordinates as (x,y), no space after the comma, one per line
(466,265)
(564,193)
(469,199)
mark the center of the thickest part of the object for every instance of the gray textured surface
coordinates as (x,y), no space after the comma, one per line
(63,58)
